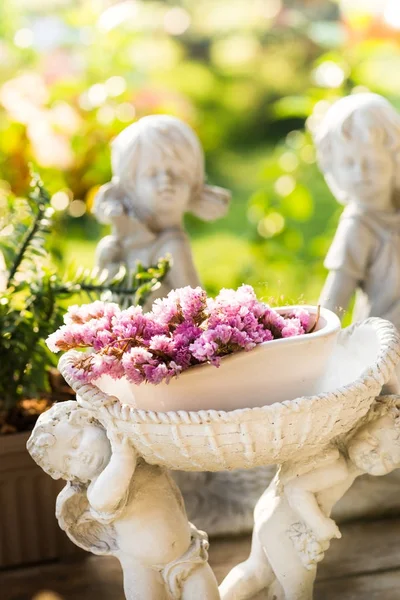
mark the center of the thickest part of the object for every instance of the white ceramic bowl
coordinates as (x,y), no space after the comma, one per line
(272,372)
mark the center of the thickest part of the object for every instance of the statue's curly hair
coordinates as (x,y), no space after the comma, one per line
(42,438)
(384,406)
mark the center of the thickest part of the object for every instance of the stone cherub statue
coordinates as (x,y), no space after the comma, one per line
(293,528)
(115,503)
(358,149)
(158,175)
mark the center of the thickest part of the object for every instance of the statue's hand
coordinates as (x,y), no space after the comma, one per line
(327,530)
(120,442)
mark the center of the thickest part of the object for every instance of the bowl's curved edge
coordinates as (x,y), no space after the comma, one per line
(341,410)
(375,376)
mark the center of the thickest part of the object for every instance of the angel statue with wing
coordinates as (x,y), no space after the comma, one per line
(114,503)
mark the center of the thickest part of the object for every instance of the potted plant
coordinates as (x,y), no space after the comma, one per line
(33,299)
(287,381)
(179,343)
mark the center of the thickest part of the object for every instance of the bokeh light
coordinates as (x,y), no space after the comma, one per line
(289,161)
(60,200)
(391,14)
(176,21)
(23,38)
(271,225)
(115,86)
(118,14)
(77,208)
(329,74)
(285,185)
(253,79)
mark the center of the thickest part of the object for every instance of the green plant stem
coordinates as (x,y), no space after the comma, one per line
(24,246)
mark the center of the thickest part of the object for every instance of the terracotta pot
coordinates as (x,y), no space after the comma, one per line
(244,379)
(29,532)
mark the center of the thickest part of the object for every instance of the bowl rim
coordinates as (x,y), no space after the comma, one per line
(387,359)
(332,325)
(346,405)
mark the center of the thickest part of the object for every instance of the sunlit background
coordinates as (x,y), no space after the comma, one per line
(247,75)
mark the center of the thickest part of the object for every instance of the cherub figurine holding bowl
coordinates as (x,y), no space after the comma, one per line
(292,524)
(358,149)
(158,175)
(115,503)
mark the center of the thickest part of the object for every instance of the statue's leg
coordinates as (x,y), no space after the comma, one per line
(201,585)
(250,577)
(141,582)
(297,582)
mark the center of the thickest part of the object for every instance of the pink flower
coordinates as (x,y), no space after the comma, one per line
(103,364)
(184,329)
(133,362)
(292,327)
(304,317)
(87,312)
(162,344)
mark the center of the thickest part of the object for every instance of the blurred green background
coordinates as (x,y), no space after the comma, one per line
(250,76)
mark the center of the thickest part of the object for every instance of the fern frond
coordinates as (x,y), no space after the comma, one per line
(34,301)
(127,284)
(34,237)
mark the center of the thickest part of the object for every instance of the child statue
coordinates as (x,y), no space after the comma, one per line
(115,503)
(358,149)
(158,175)
(292,524)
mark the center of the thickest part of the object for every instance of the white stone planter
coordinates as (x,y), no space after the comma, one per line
(116,503)
(215,440)
(243,379)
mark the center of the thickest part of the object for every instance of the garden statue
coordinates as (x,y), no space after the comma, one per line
(293,528)
(114,451)
(158,175)
(114,503)
(358,148)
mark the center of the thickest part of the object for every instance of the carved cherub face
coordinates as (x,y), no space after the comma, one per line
(358,142)
(163,189)
(68,443)
(375,449)
(79,452)
(361,172)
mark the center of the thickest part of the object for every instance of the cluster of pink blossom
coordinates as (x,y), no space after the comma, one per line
(184,329)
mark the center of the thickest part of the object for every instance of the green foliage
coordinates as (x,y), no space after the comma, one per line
(33,296)
(248,76)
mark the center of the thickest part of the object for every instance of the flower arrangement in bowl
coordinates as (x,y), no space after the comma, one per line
(166,359)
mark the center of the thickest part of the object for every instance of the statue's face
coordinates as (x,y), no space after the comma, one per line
(79,452)
(162,190)
(362,172)
(376,448)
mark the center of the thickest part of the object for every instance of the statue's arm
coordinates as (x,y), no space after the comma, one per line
(109,491)
(347,261)
(337,291)
(301,494)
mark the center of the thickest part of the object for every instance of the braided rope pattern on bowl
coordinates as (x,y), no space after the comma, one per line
(249,437)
